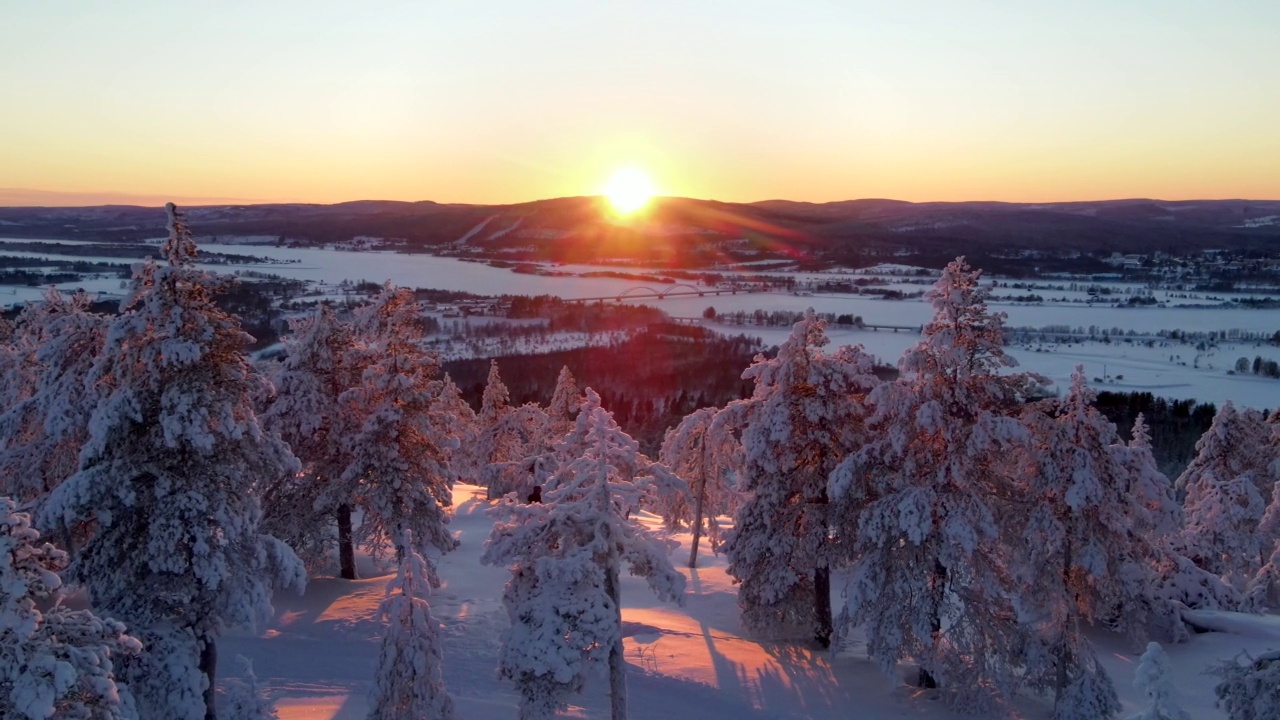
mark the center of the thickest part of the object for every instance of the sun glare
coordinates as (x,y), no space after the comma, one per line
(629,190)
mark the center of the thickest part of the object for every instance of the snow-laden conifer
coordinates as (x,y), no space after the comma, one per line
(1089,694)
(1250,691)
(803,418)
(566,401)
(456,419)
(1152,679)
(170,475)
(502,434)
(1224,506)
(54,662)
(408,682)
(244,698)
(1082,560)
(1160,515)
(1262,592)
(566,554)
(707,455)
(931,577)
(305,509)
(19,369)
(399,472)
(42,434)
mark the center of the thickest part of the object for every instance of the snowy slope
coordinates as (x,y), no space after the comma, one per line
(318,655)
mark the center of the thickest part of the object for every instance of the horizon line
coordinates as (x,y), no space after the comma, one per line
(145,200)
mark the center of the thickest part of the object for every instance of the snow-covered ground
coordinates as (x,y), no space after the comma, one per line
(1172,371)
(317,657)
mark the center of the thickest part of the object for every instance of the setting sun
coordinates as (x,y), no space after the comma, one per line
(628,190)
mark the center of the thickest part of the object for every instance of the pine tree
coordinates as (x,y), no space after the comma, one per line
(408,682)
(566,401)
(321,363)
(703,451)
(1250,691)
(931,578)
(244,699)
(1224,506)
(1082,560)
(566,553)
(18,366)
(1263,590)
(399,473)
(42,434)
(171,475)
(502,436)
(802,419)
(456,420)
(54,662)
(1153,681)
(1161,514)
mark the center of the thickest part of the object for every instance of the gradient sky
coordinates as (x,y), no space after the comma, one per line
(498,101)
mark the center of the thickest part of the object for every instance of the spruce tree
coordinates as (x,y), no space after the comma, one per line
(803,418)
(399,474)
(1225,501)
(1082,562)
(322,361)
(54,662)
(171,475)
(931,578)
(408,681)
(703,451)
(42,434)
(566,554)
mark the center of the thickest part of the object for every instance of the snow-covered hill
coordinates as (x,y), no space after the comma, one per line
(318,655)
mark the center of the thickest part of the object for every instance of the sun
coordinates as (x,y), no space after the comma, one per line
(629,190)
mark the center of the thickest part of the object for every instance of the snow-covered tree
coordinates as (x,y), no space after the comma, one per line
(566,401)
(42,434)
(408,682)
(458,420)
(1160,516)
(18,366)
(305,509)
(399,472)
(931,578)
(566,553)
(54,662)
(170,476)
(1089,694)
(707,455)
(1224,504)
(803,418)
(1250,691)
(502,433)
(1263,590)
(244,698)
(1081,558)
(1153,681)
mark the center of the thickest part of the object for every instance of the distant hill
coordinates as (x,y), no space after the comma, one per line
(688,232)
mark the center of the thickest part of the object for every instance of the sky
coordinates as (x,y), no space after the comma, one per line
(502,101)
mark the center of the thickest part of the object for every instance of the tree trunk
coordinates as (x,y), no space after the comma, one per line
(617,667)
(822,606)
(926,678)
(209,666)
(822,621)
(346,545)
(697,505)
(1064,647)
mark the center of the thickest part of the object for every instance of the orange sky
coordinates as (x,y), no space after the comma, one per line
(923,100)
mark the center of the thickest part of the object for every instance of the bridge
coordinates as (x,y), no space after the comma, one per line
(643,292)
